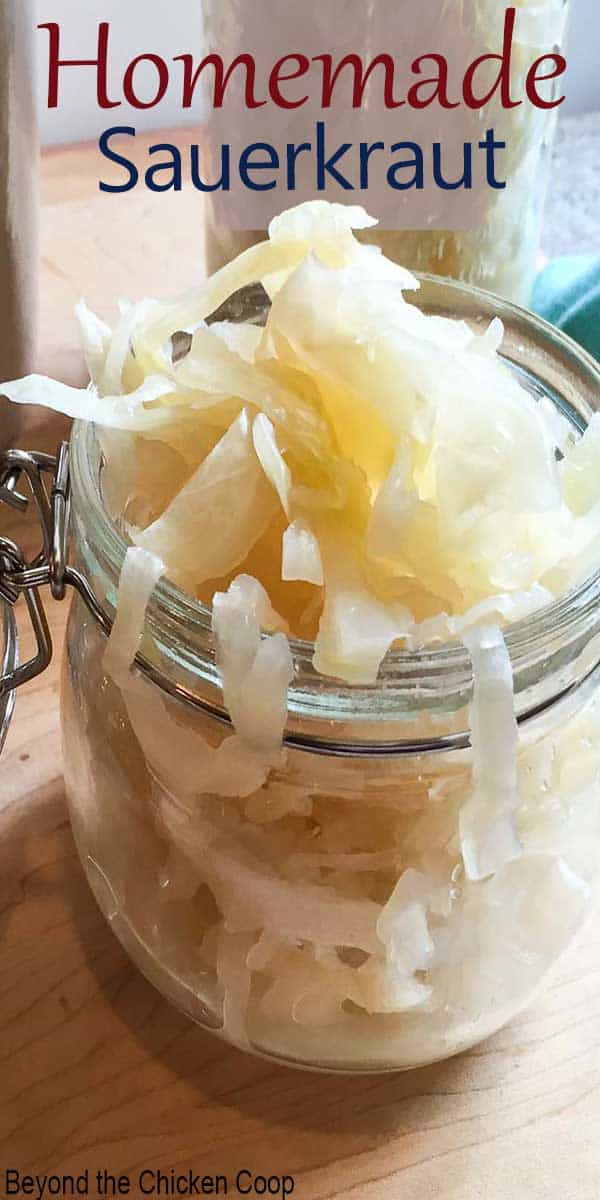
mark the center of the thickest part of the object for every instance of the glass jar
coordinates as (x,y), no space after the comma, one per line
(501,252)
(259,915)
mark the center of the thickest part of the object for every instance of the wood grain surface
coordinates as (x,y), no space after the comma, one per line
(96,1071)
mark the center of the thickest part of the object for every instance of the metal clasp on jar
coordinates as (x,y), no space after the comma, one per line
(44,479)
(28,477)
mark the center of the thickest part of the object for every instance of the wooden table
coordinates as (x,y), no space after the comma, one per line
(96,1070)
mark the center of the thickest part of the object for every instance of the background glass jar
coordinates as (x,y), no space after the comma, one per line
(263,915)
(501,252)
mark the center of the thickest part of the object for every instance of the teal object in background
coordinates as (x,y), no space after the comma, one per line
(567,293)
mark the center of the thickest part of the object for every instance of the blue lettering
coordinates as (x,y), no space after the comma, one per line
(246,166)
(112,156)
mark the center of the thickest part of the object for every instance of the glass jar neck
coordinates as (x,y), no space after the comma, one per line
(419,696)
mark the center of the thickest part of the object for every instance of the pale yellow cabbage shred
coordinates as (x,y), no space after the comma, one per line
(377,477)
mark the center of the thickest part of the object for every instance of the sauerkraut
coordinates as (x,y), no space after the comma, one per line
(364,476)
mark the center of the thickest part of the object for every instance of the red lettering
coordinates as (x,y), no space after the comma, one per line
(162,72)
(439,90)
(533,78)
(100,63)
(361,79)
(222,77)
(277,77)
(503,77)
(488,78)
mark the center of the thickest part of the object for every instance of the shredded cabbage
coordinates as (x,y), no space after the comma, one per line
(85,404)
(253,898)
(96,337)
(140,574)
(301,556)
(236,980)
(489,837)
(356,628)
(250,665)
(218,515)
(271,459)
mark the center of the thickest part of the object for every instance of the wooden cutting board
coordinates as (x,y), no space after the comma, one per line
(97,1071)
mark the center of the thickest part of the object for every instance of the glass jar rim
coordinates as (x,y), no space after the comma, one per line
(548,641)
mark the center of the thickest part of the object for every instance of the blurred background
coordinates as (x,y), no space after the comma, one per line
(144,244)
(139,25)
